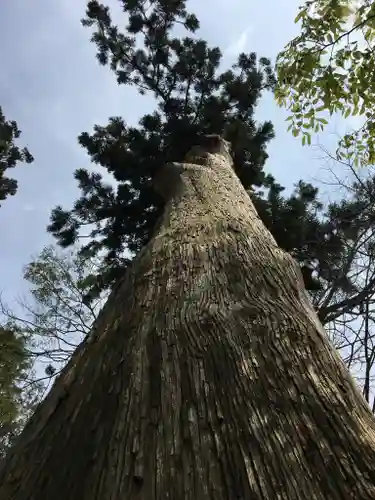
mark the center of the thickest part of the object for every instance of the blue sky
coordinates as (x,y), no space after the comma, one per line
(52,85)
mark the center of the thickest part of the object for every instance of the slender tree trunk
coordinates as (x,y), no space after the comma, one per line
(208,375)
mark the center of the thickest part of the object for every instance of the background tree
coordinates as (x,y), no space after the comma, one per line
(42,333)
(17,397)
(57,315)
(10,155)
(334,244)
(348,310)
(327,67)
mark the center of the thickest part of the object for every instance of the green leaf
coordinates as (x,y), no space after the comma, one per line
(300,15)
(296,132)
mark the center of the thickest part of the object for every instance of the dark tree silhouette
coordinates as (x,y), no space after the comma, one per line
(10,155)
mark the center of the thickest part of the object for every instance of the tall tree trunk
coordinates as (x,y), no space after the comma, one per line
(208,375)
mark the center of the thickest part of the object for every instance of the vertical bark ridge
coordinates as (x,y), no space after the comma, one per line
(206,377)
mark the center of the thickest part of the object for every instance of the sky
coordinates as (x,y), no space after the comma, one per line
(53,86)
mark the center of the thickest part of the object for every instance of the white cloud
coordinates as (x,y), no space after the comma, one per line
(28,208)
(239,44)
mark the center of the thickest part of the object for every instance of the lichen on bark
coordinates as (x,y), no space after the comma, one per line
(207,374)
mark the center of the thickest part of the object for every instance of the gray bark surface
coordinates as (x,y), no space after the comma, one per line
(208,375)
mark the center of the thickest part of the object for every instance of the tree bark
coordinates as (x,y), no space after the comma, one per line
(207,375)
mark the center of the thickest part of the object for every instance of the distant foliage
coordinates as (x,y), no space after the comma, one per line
(39,336)
(17,397)
(328,67)
(10,155)
(58,313)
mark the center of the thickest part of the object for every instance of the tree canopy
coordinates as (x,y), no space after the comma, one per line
(194,97)
(328,68)
(43,332)
(10,155)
